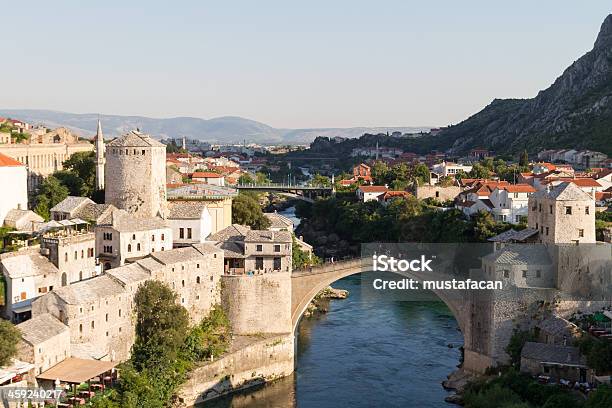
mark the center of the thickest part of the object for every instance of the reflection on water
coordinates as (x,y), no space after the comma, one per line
(365,353)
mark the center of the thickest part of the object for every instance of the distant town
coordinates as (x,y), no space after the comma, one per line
(103,239)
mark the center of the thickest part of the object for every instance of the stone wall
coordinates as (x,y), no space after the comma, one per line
(437,192)
(256,362)
(258,303)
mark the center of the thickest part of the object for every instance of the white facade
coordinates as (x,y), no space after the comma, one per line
(191,230)
(446,169)
(511,203)
(14,182)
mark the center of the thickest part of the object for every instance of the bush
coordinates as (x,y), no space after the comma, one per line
(9,336)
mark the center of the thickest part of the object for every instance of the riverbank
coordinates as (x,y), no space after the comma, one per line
(320,303)
(250,361)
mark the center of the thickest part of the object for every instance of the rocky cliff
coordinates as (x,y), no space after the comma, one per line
(575,111)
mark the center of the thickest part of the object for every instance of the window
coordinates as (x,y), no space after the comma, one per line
(106,317)
(540,207)
(129,247)
(153,238)
(93,326)
(80,328)
(138,247)
(198,279)
(259,263)
(524,274)
(80,275)
(133,236)
(163,237)
(581,233)
(76,255)
(568,210)
(547,231)
(550,209)
(119,312)
(277,263)
(437,194)
(586,210)
(276,248)
(183,283)
(181,233)
(259,248)
(188,233)
(538,273)
(66,257)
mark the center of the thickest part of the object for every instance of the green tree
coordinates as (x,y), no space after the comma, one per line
(161,326)
(83,165)
(9,336)
(320,181)
(246,211)
(480,171)
(246,179)
(524,159)
(50,192)
(516,343)
(600,398)
(421,173)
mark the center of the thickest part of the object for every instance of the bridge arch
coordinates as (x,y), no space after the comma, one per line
(307,283)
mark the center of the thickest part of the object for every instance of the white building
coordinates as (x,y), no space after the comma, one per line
(446,169)
(190,221)
(370,193)
(14,182)
(511,202)
(208,177)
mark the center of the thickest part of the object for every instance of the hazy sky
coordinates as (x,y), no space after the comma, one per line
(286,63)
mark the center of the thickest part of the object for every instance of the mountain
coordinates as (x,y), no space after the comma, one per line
(225,129)
(575,111)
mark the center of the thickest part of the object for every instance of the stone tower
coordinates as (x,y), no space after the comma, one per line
(99,157)
(136,175)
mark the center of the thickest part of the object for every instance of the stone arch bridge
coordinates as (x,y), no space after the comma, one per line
(307,282)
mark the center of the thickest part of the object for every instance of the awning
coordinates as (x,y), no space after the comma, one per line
(77,370)
(77,221)
(17,367)
(66,223)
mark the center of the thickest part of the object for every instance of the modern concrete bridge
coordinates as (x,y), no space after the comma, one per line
(305,193)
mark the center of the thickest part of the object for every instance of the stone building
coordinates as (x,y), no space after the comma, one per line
(45,154)
(248,251)
(73,254)
(121,238)
(80,207)
(23,220)
(135,175)
(437,192)
(45,341)
(279,222)
(563,214)
(558,362)
(99,311)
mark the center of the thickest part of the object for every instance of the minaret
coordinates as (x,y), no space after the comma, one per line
(99,157)
(184,143)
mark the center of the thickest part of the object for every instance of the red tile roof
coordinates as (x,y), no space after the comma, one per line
(519,188)
(373,189)
(206,174)
(6,161)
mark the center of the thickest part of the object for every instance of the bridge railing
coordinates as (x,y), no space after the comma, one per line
(281,186)
(330,266)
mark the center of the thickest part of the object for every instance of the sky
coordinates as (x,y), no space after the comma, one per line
(289,64)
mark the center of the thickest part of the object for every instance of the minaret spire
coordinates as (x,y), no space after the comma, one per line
(99,157)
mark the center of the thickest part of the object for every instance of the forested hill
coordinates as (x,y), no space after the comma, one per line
(575,111)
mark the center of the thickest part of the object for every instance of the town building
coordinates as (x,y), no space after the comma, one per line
(279,222)
(23,220)
(45,154)
(370,193)
(14,180)
(510,202)
(45,342)
(80,207)
(122,238)
(437,192)
(558,362)
(208,177)
(217,199)
(135,175)
(248,251)
(450,169)
(563,214)
(190,221)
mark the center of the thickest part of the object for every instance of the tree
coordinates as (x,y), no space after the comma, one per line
(319,180)
(9,336)
(246,211)
(421,173)
(516,343)
(524,159)
(480,171)
(161,326)
(50,192)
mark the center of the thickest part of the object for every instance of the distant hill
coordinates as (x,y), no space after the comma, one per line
(575,111)
(225,129)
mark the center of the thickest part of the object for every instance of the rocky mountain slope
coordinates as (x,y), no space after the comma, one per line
(575,111)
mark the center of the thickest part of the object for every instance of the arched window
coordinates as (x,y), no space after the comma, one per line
(198,279)
(129,247)
(80,275)
(138,247)
(183,283)
(64,279)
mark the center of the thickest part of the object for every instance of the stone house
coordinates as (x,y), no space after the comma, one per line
(279,222)
(558,362)
(80,207)
(121,238)
(254,251)
(563,214)
(45,341)
(437,192)
(73,253)
(23,220)
(208,177)
(557,330)
(522,266)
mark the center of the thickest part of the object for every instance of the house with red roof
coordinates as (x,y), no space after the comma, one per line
(510,202)
(370,193)
(208,177)
(390,195)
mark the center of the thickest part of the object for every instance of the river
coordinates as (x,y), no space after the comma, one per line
(365,353)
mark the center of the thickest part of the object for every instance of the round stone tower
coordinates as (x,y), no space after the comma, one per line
(135,175)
